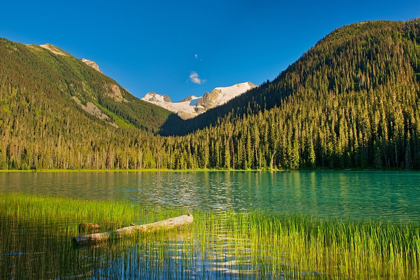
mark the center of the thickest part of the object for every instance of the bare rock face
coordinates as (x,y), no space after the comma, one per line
(91,64)
(185,116)
(209,99)
(114,91)
(199,110)
(154,97)
(222,95)
(189,98)
(94,111)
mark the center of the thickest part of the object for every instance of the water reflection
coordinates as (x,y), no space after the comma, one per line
(34,249)
(377,195)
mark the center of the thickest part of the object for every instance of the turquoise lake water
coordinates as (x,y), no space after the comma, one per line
(42,249)
(338,194)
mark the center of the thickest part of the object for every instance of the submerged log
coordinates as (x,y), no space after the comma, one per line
(88,227)
(103,226)
(133,230)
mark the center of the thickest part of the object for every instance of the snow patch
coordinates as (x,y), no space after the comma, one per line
(154,97)
(228,93)
(176,107)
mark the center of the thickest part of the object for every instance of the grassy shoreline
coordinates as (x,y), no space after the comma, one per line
(265,243)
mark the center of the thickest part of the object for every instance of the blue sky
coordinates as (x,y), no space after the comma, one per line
(183,48)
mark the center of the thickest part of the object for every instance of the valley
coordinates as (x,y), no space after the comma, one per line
(310,171)
(351,101)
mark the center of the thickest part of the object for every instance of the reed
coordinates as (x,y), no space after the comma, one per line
(217,245)
(23,206)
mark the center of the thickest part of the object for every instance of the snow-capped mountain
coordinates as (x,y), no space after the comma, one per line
(154,97)
(192,106)
(222,95)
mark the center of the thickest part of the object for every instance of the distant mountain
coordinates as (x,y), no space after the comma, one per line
(154,97)
(192,106)
(351,101)
(185,109)
(332,66)
(190,98)
(222,95)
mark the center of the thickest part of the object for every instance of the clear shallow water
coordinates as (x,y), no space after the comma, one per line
(39,250)
(338,194)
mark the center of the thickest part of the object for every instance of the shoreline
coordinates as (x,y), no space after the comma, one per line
(197,170)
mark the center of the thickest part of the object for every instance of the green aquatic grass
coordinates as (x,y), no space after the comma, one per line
(352,249)
(30,207)
(218,244)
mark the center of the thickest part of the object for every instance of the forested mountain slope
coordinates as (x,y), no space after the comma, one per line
(351,101)
(56,111)
(50,73)
(355,58)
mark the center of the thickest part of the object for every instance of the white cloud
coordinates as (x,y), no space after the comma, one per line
(196,79)
(196,56)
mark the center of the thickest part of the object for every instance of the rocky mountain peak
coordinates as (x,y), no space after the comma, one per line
(222,95)
(155,97)
(91,64)
(189,98)
(192,106)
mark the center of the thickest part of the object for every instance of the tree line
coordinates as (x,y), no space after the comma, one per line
(351,101)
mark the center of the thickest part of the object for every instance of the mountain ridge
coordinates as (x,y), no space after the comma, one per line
(270,94)
(351,101)
(86,86)
(92,64)
(193,106)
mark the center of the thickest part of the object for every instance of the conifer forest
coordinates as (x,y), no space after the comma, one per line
(351,101)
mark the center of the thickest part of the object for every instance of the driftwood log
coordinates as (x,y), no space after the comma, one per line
(133,230)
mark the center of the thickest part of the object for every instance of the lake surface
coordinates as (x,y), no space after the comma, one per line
(210,248)
(338,194)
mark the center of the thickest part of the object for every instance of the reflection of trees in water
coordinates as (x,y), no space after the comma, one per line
(351,194)
(40,250)
(216,245)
